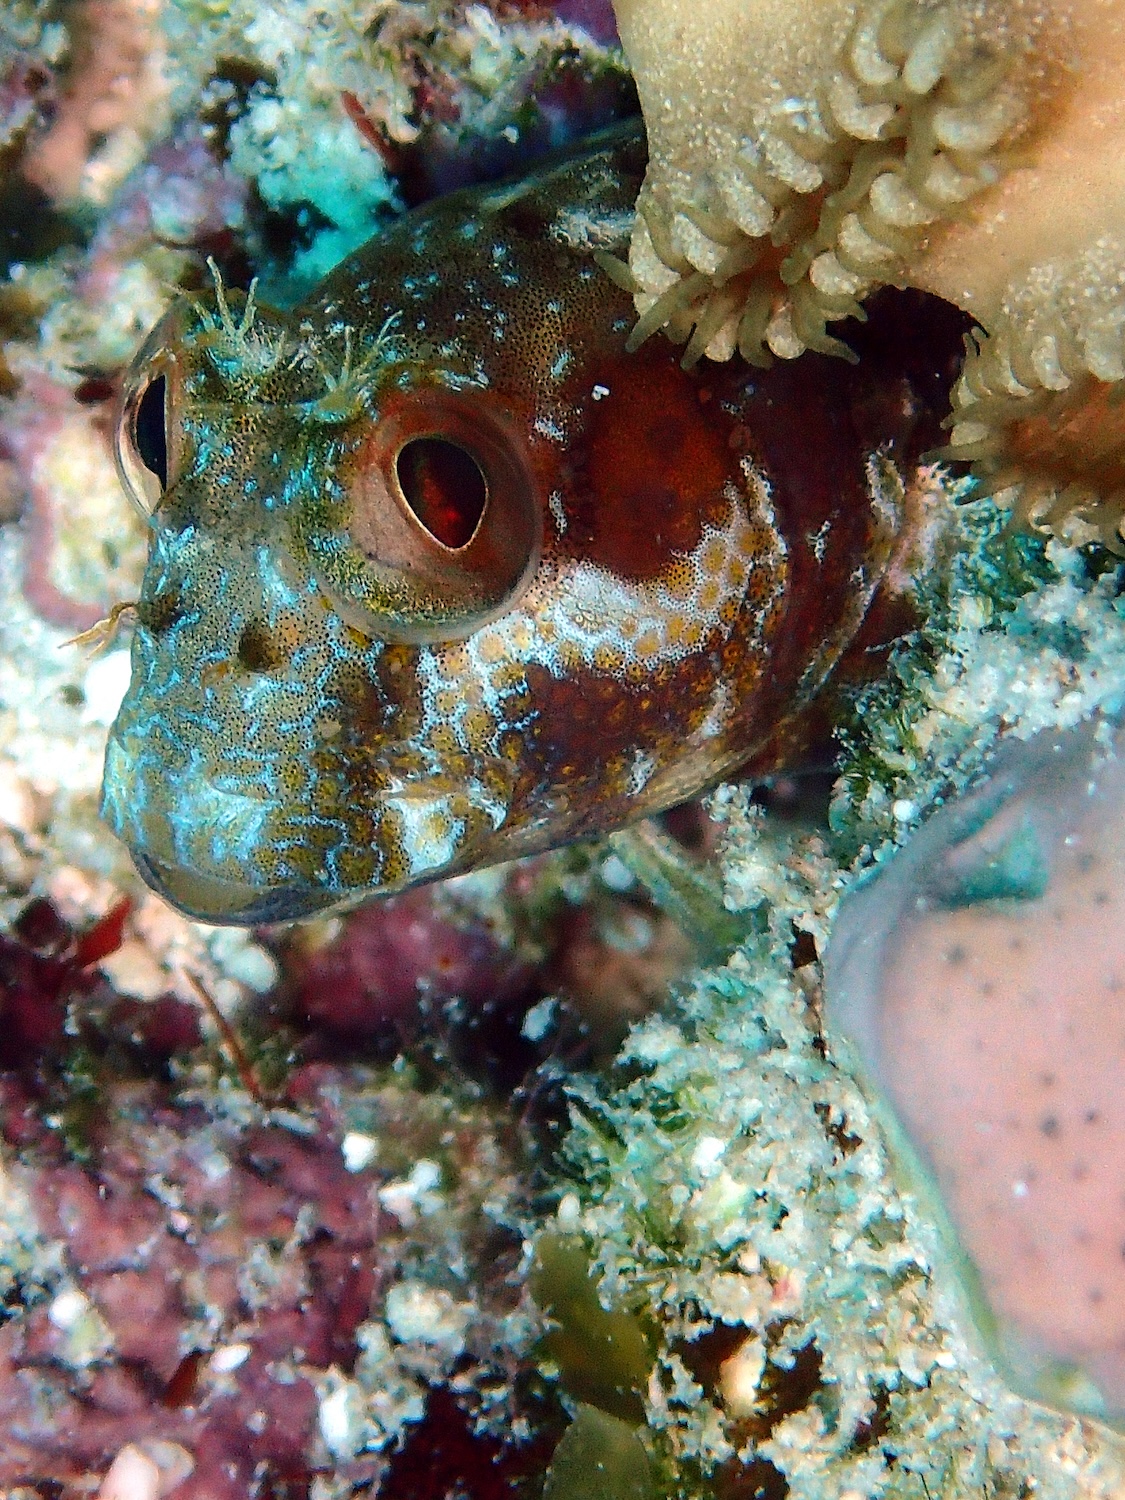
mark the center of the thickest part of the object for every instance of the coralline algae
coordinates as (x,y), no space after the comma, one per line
(274,1292)
(980,977)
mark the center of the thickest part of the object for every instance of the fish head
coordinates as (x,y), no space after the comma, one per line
(323,517)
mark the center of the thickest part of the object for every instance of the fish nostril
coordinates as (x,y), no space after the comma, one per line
(258,649)
(163,609)
(444,486)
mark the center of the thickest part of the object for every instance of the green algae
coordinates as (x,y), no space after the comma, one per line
(602,1353)
(1020,634)
(599,1458)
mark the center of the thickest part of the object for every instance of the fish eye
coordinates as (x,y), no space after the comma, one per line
(141,446)
(149,437)
(445,487)
(438,525)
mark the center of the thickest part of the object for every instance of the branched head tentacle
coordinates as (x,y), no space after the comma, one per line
(240,348)
(349,389)
(101,635)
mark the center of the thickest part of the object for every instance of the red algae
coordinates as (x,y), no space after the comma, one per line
(55,444)
(392,962)
(210,1274)
(203,1278)
(183,1267)
(444,1457)
(594,17)
(154,1283)
(614,962)
(43,965)
(28,95)
(556,95)
(113,83)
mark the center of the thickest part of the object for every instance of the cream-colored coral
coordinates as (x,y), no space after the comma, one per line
(1042,267)
(802,155)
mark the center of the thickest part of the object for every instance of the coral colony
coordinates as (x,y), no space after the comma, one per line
(770,1148)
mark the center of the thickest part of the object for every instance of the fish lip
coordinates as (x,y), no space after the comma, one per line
(224,902)
(172,872)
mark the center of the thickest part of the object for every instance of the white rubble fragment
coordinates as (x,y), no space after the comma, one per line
(539,1019)
(340,1416)
(358,1150)
(147,1470)
(413,1197)
(240,958)
(88,1337)
(104,686)
(415,1311)
(229,1357)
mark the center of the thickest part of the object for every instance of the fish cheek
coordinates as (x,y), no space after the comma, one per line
(604,744)
(369,770)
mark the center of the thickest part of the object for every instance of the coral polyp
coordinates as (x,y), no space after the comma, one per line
(1037,410)
(803,156)
(828,161)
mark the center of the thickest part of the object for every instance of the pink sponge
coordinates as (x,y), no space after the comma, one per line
(982,979)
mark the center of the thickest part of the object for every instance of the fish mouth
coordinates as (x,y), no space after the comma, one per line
(199,845)
(190,841)
(209,898)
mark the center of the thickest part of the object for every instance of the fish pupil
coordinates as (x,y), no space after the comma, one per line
(148,431)
(444,486)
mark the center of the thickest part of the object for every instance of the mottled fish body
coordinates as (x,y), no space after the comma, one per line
(440,574)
